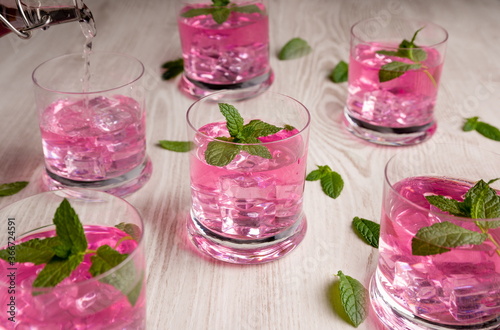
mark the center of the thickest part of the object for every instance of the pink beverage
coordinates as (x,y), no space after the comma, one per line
(459,287)
(234,54)
(96,139)
(251,198)
(78,302)
(403,104)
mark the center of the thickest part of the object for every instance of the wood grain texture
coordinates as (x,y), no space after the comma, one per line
(187,290)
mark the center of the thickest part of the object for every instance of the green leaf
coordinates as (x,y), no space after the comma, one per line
(340,73)
(257,128)
(233,118)
(332,184)
(220,153)
(173,69)
(319,173)
(220,15)
(354,298)
(442,236)
(38,251)
(488,131)
(395,69)
(198,12)
(483,201)
(256,150)
(57,270)
(447,205)
(177,146)
(122,278)
(248,9)
(389,53)
(69,229)
(368,230)
(221,3)
(288,127)
(294,48)
(8,189)
(470,124)
(131,229)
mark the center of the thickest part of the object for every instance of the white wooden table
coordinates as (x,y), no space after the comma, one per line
(187,290)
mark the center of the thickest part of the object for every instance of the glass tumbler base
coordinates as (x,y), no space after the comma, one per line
(246,251)
(119,186)
(388,135)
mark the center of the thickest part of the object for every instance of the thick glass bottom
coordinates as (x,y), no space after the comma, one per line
(393,316)
(119,186)
(246,89)
(391,136)
(246,251)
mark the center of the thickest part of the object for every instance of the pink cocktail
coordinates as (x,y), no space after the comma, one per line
(233,54)
(399,110)
(250,210)
(459,288)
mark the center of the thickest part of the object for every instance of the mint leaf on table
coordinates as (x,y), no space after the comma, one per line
(38,251)
(57,270)
(294,48)
(177,146)
(368,230)
(442,236)
(489,131)
(172,69)
(340,73)
(331,182)
(8,189)
(353,296)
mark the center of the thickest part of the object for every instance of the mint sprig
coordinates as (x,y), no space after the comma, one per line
(480,202)
(489,131)
(340,73)
(221,10)
(294,48)
(243,137)
(354,298)
(331,182)
(409,50)
(368,230)
(9,189)
(63,253)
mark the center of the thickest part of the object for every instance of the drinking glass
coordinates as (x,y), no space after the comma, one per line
(115,299)
(248,209)
(423,279)
(92,120)
(393,85)
(225,47)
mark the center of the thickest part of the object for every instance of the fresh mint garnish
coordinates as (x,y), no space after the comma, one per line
(172,69)
(294,48)
(485,129)
(221,10)
(368,230)
(177,146)
(219,153)
(331,182)
(353,296)
(63,253)
(480,202)
(8,189)
(409,50)
(340,73)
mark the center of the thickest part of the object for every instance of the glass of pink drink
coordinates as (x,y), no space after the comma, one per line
(458,289)
(397,111)
(115,299)
(250,210)
(92,119)
(233,54)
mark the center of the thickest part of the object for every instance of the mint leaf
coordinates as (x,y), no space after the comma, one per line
(8,189)
(220,15)
(173,69)
(488,131)
(220,153)
(483,201)
(233,118)
(319,173)
(257,150)
(332,184)
(220,3)
(368,230)
(340,73)
(395,69)
(447,205)
(197,12)
(69,229)
(257,128)
(470,124)
(122,278)
(287,127)
(442,236)
(38,251)
(248,9)
(131,229)
(57,270)
(353,296)
(177,146)
(294,48)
